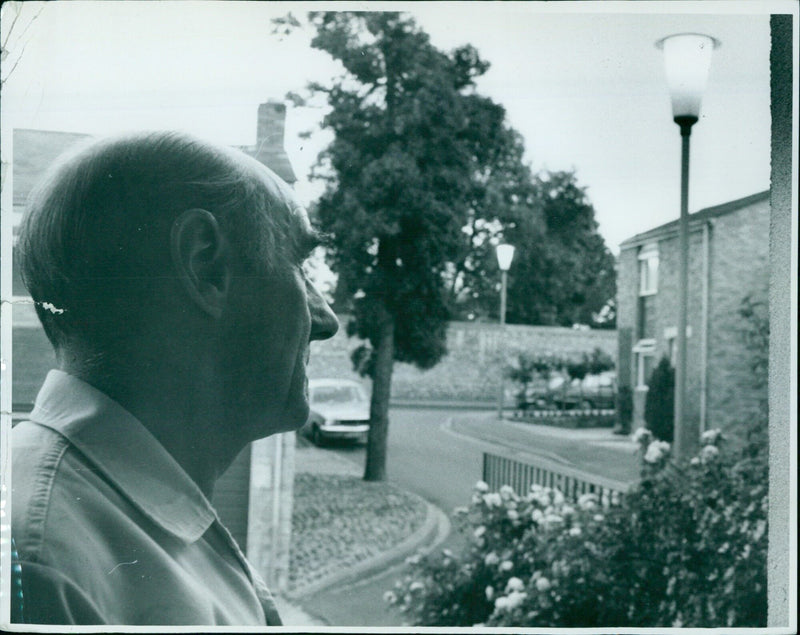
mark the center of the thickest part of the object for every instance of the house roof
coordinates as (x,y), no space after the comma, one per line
(36,150)
(697,217)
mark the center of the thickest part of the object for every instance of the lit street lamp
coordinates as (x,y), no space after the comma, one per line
(505,254)
(687,59)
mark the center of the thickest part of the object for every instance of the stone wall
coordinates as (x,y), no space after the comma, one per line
(470,371)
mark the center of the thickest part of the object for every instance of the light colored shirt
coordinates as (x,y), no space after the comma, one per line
(111,530)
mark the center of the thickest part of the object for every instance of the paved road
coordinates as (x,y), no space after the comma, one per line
(423,458)
(590,450)
(433,461)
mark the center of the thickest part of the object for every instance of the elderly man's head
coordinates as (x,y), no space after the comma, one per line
(162,222)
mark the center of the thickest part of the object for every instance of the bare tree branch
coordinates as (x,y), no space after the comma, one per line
(21,35)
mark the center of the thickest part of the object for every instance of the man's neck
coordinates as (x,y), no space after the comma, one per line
(176,408)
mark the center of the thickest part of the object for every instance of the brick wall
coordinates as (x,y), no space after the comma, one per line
(627,297)
(666,313)
(471,369)
(740,255)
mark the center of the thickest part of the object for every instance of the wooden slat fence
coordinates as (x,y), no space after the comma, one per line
(521,473)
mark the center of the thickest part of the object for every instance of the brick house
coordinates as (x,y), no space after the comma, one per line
(728,262)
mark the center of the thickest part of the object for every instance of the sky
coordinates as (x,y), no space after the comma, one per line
(582,82)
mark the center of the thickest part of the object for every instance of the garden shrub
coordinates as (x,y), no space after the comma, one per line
(686,547)
(659,405)
(568,418)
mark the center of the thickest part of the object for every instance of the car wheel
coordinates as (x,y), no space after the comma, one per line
(316,436)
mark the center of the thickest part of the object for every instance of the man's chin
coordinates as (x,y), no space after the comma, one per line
(292,418)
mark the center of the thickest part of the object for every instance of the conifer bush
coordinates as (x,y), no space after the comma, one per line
(659,406)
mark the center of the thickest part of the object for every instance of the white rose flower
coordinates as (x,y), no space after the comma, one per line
(482,486)
(542,584)
(558,498)
(507,492)
(543,498)
(489,593)
(575,531)
(515,598)
(479,531)
(710,437)
(653,454)
(506,565)
(587,501)
(641,435)
(492,499)
(514,584)
(599,518)
(416,586)
(512,514)
(537,515)
(708,453)
(656,451)
(567,510)
(413,559)
(491,559)
(389,597)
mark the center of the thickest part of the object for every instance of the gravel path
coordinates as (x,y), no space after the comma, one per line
(339,520)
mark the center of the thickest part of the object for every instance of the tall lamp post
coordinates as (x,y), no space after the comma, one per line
(687,60)
(505,254)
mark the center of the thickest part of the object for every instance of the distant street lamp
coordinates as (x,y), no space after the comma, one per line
(687,60)
(505,254)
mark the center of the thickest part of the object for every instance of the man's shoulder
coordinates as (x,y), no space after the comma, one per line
(49,477)
(36,456)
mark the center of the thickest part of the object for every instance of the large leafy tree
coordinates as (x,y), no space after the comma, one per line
(412,144)
(501,198)
(562,274)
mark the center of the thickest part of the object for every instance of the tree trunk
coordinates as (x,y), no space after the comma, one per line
(375,469)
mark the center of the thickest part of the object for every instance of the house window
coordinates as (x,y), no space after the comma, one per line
(644,353)
(648,269)
(671,338)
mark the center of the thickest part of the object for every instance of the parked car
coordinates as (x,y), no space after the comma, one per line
(539,393)
(339,409)
(593,391)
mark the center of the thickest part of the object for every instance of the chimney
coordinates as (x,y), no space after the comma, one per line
(271,123)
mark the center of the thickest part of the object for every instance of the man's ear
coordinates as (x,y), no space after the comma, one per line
(201,260)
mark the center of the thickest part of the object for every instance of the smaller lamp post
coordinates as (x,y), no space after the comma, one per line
(505,254)
(687,60)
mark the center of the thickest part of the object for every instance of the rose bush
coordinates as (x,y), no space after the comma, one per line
(686,547)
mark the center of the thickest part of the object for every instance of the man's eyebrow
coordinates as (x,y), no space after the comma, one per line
(310,239)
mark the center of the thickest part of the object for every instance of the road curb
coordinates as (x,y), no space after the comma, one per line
(620,443)
(434,530)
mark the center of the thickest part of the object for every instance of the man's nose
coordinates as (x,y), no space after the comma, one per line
(324,322)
